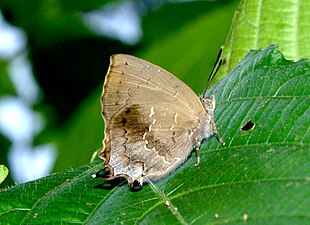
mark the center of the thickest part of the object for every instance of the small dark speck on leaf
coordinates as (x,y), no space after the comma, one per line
(249,125)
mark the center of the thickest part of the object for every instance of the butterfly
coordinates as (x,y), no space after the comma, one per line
(153,121)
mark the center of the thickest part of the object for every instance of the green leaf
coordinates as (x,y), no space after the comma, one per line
(3,173)
(258,24)
(261,175)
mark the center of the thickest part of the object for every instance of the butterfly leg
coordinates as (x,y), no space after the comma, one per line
(213,123)
(216,133)
(197,148)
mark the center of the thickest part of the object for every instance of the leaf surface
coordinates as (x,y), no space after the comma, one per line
(257,24)
(261,175)
(3,173)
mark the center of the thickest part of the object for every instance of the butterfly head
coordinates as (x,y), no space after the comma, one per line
(208,104)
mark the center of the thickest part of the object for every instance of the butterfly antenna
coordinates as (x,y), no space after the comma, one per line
(216,67)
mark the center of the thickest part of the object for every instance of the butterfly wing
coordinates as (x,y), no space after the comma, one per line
(150,118)
(131,80)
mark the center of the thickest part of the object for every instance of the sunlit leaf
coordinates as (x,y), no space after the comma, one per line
(3,173)
(258,24)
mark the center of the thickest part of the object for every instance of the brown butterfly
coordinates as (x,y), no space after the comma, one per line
(152,121)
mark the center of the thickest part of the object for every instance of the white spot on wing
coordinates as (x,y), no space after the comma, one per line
(175,116)
(152,112)
(144,135)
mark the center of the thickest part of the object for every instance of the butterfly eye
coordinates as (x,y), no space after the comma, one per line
(207,104)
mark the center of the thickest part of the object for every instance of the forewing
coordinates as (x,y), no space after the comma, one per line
(131,80)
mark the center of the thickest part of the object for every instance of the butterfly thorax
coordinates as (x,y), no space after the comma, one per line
(206,124)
